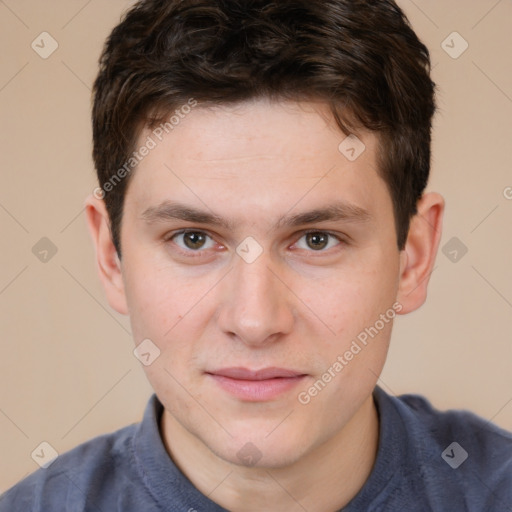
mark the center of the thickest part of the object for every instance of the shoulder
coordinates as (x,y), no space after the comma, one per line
(455,450)
(95,464)
(481,436)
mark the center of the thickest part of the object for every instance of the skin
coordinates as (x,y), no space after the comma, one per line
(298,306)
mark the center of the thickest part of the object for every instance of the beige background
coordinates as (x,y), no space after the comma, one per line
(67,368)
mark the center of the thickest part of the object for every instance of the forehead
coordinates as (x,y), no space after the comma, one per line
(261,155)
(257,128)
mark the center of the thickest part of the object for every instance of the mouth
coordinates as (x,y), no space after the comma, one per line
(256,385)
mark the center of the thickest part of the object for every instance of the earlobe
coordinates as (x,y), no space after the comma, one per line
(418,258)
(107,259)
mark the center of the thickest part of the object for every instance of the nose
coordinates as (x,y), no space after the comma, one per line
(256,307)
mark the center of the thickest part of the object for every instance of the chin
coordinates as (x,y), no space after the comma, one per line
(256,451)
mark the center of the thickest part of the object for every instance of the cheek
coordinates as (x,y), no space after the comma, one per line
(352,300)
(358,307)
(151,306)
(160,298)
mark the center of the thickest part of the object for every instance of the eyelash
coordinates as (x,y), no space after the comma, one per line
(318,231)
(188,253)
(200,252)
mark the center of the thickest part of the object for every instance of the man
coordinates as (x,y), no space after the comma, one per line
(261,218)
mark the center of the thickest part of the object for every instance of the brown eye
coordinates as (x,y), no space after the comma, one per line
(193,240)
(317,241)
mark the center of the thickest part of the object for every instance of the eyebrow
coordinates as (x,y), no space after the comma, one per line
(339,211)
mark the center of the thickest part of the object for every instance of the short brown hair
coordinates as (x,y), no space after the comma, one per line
(360,56)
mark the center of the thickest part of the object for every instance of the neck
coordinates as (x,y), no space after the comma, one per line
(325,479)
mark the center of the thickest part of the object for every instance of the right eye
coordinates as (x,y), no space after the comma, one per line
(192,241)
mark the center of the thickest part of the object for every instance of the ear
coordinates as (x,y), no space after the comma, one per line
(418,257)
(109,265)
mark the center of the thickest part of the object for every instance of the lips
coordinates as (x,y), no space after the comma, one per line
(264,374)
(256,385)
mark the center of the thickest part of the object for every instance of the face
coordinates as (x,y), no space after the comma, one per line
(255,257)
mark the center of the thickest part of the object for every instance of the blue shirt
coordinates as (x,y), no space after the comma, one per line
(427,460)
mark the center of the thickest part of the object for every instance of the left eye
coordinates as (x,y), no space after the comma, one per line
(317,241)
(193,240)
